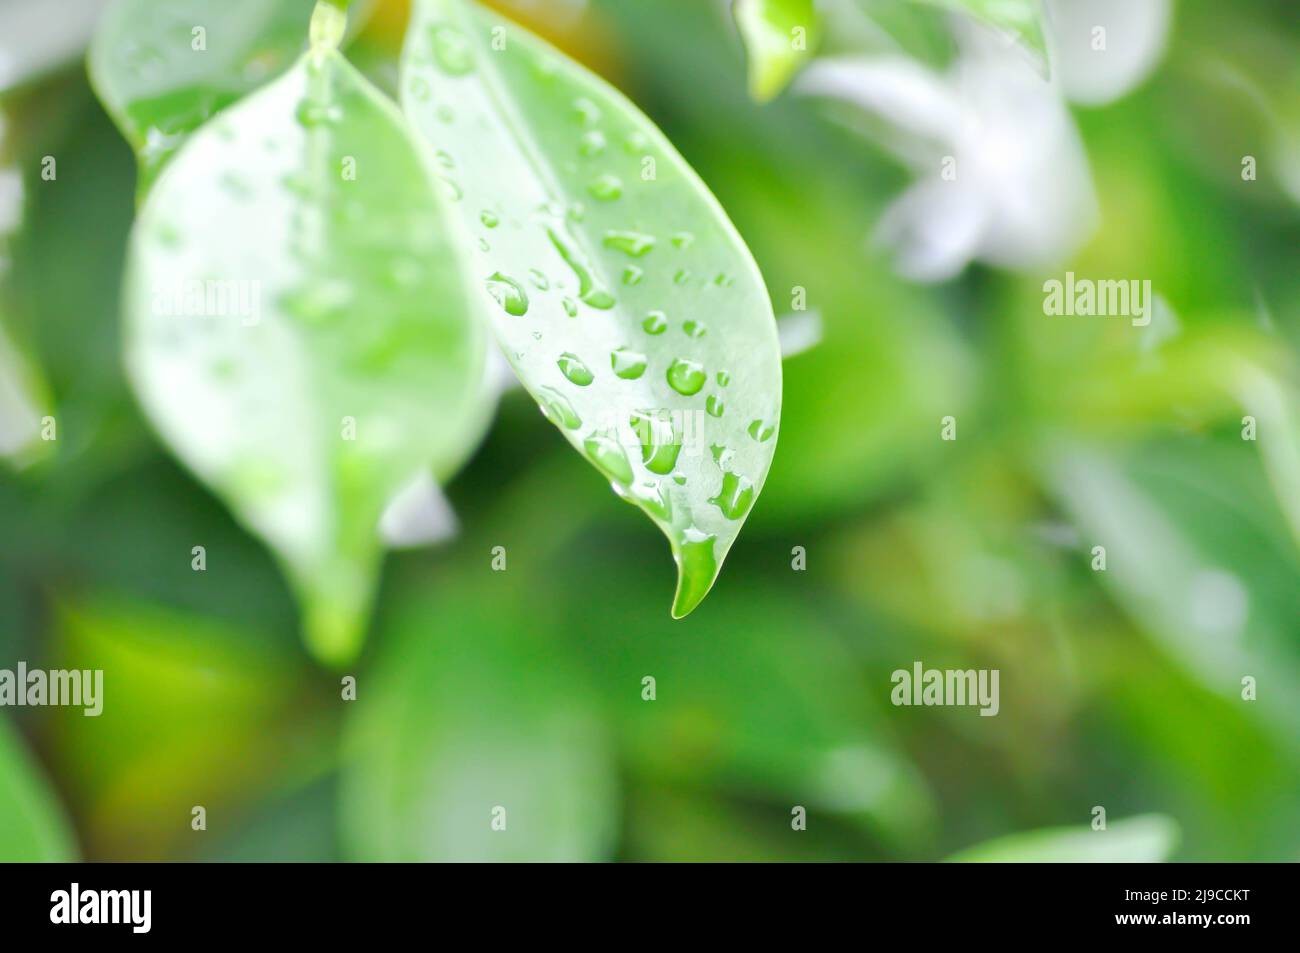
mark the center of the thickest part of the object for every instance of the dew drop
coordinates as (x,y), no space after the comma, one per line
(682,277)
(714,406)
(489,218)
(451,50)
(686,377)
(654,499)
(557,409)
(589,291)
(509,294)
(723,378)
(587,112)
(608,456)
(632,275)
(655,323)
(632,244)
(592,143)
(660,442)
(761,430)
(571,366)
(636,143)
(627,364)
(695,329)
(538,279)
(735,497)
(697,567)
(683,240)
(570,307)
(606,188)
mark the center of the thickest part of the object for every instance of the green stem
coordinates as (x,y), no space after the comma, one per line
(328,24)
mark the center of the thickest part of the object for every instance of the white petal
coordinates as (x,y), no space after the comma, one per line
(899,90)
(935,227)
(1135,32)
(419,515)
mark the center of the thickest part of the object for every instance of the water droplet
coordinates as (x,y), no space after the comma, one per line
(571,366)
(570,307)
(627,364)
(632,244)
(311,114)
(723,378)
(632,275)
(538,279)
(489,218)
(587,112)
(608,456)
(696,568)
(654,499)
(686,377)
(419,88)
(592,143)
(451,189)
(483,245)
(683,240)
(722,456)
(714,406)
(724,281)
(679,478)
(444,159)
(660,443)
(588,290)
(606,188)
(557,408)
(636,142)
(761,431)
(695,329)
(655,323)
(168,235)
(509,294)
(682,277)
(451,50)
(735,497)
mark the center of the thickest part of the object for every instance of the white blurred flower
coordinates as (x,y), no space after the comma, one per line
(1001,173)
(1102,49)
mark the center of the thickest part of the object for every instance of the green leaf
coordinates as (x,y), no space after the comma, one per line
(453,732)
(1145,839)
(164,69)
(626,301)
(780,37)
(342,359)
(32,826)
(1021,20)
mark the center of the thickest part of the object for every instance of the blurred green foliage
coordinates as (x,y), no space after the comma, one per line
(524,688)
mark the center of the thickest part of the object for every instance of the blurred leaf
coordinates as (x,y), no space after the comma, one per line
(1021,20)
(759,698)
(1186,536)
(585,209)
(158,84)
(780,37)
(32,826)
(464,712)
(341,360)
(194,713)
(1145,839)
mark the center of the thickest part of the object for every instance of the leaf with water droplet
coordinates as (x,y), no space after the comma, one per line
(780,37)
(349,382)
(564,164)
(159,88)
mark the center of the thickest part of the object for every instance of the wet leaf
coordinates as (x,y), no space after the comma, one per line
(298,331)
(1146,839)
(164,69)
(32,826)
(619,290)
(779,38)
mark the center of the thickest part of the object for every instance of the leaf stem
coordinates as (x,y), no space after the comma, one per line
(328,24)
